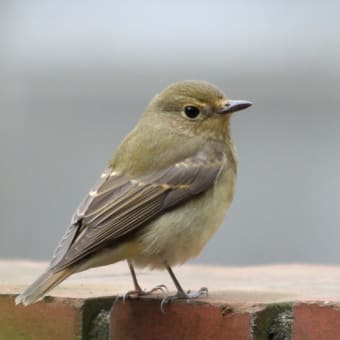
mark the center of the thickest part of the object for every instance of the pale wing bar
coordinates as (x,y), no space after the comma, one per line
(119,205)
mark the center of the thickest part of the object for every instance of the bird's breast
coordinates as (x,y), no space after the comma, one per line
(182,232)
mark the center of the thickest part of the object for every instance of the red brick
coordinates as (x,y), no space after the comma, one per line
(316,322)
(142,319)
(51,320)
(259,304)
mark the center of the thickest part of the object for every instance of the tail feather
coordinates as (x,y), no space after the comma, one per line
(41,286)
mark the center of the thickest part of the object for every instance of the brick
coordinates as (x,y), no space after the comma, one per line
(142,319)
(316,321)
(54,318)
(264,302)
(43,320)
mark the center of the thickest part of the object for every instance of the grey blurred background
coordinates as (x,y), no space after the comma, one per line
(75,76)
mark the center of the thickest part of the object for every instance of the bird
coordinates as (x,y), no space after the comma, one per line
(161,197)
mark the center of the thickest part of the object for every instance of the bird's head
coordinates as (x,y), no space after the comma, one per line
(195,108)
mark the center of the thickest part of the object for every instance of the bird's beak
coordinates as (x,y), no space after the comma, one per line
(234,105)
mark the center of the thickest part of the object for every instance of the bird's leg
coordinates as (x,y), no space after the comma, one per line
(181,293)
(134,277)
(138,291)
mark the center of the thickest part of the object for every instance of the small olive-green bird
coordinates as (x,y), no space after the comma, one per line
(162,196)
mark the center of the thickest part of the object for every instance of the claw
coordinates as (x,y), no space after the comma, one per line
(165,301)
(126,295)
(140,292)
(184,295)
(162,288)
(117,299)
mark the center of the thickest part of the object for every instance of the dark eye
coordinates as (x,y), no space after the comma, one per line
(191,112)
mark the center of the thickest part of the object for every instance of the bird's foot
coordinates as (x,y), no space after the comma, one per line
(143,292)
(180,295)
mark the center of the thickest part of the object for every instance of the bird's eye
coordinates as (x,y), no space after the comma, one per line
(191,112)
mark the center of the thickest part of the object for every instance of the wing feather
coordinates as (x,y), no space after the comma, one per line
(119,204)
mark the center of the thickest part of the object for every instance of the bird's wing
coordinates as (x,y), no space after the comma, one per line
(119,204)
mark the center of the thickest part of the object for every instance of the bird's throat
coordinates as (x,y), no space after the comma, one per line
(216,128)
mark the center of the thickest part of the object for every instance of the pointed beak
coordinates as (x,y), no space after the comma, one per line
(235,105)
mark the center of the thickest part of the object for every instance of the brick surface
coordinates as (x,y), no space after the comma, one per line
(144,320)
(316,321)
(55,319)
(265,302)
(44,320)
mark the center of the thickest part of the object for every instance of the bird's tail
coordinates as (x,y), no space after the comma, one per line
(41,286)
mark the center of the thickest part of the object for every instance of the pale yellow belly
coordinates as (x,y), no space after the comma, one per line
(181,233)
(177,235)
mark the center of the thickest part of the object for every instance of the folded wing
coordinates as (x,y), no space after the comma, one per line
(120,204)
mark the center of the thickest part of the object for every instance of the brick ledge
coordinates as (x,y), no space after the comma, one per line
(298,301)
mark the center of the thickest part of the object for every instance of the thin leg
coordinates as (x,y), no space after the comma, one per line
(180,290)
(138,291)
(181,293)
(134,277)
